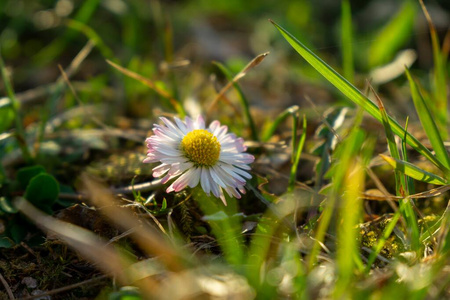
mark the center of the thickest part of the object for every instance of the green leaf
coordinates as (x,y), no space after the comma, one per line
(42,191)
(17,231)
(428,123)
(24,175)
(413,171)
(355,95)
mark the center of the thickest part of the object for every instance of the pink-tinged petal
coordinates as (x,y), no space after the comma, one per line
(160,170)
(199,123)
(178,168)
(189,123)
(149,160)
(180,183)
(213,126)
(242,190)
(165,179)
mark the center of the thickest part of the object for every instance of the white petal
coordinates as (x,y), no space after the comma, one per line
(204,181)
(216,177)
(194,177)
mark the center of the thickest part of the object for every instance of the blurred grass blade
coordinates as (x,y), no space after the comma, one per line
(225,223)
(347,41)
(15,107)
(163,93)
(392,37)
(148,239)
(242,98)
(350,213)
(54,49)
(439,76)
(413,171)
(93,36)
(355,95)
(428,123)
(345,154)
(270,131)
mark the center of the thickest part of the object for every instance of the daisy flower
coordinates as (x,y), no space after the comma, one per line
(194,154)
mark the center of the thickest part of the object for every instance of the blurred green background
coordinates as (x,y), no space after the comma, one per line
(174,42)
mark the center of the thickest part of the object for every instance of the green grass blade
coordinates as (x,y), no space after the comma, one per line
(428,123)
(400,181)
(347,41)
(355,95)
(410,189)
(391,38)
(413,171)
(242,98)
(296,157)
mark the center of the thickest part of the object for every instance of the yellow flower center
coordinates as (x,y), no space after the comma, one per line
(201,147)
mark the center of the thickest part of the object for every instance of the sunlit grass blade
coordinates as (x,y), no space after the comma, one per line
(439,77)
(428,123)
(347,41)
(414,171)
(355,95)
(347,233)
(389,40)
(242,98)
(296,157)
(345,155)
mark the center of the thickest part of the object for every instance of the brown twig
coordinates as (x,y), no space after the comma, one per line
(65,288)
(6,285)
(253,63)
